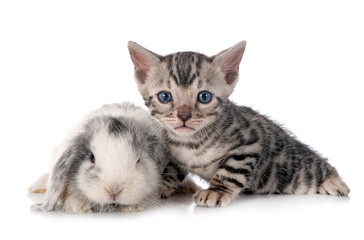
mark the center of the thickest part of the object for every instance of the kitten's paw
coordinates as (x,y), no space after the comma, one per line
(188,186)
(166,191)
(334,186)
(132,208)
(210,198)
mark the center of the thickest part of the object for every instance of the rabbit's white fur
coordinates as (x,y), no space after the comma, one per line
(125,109)
(40,186)
(129,160)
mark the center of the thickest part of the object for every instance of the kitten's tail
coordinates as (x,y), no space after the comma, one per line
(334,185)
(39,186)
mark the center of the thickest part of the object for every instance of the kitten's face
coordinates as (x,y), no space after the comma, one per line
(185,90)
(184,101)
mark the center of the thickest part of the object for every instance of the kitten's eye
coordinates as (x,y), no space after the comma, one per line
(204,97)
(138,161)
(165,97)
(92,158)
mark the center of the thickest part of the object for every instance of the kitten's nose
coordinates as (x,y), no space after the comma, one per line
(184,113)
(184,116)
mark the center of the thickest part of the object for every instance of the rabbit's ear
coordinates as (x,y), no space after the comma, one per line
(58,184)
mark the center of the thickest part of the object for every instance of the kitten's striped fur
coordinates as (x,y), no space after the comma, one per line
(233,147)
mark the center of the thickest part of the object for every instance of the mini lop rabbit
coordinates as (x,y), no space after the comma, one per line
(111,161)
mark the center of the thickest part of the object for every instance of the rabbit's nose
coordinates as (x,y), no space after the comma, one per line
(113,193)
(113,197)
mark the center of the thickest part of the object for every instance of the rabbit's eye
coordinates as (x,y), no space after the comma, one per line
(92,158)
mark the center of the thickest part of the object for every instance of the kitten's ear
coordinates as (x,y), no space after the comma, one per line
(229,60)
(143,60)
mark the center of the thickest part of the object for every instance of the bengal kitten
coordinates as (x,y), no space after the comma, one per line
(234,148)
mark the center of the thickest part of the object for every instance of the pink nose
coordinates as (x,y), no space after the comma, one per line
(113,193)
(113,196)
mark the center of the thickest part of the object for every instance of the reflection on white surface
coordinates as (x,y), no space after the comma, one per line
(244,203)
(252,216)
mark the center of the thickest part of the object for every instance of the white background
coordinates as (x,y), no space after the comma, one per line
(303,67)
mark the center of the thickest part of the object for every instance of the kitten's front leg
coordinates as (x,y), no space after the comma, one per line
(172,177)
(230,179)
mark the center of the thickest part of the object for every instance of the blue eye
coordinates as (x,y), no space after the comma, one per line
(204,97)
(165,97)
